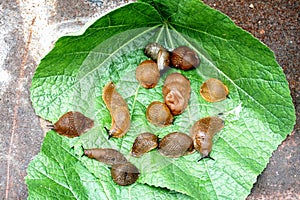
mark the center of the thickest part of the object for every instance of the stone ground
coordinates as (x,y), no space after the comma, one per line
(29,29)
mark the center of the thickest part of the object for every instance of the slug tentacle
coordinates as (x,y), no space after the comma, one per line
(208,156)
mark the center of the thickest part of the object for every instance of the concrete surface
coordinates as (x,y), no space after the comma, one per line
(29,29)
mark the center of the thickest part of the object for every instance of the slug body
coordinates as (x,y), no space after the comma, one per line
(159,54)
(124,173)
(163,59)
(152,50)
(106,155)
(184,58)
(176,144)
(147,74)
(73,124)
(143,143)
(176,92)
(213,90)
(159,114)
(118,109)
(202,133)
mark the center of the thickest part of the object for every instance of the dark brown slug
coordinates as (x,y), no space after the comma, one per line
(118,109)
(184,58)
(202,133)
(124,173)
(176,91)
(73,124)
(144,143)
(176,144)
(106,155)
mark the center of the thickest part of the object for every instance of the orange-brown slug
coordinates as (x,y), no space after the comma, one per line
(118,109)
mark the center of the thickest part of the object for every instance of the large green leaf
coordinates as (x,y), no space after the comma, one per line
(258,115)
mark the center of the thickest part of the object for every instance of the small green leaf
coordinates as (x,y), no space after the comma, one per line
(258,115)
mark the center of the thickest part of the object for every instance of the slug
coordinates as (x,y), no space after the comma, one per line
(118,109)
(202,133)
(213,90)
(144,143)
(163,59)
(184,58)
(105,155)
(159,114)
(176,144)
(73,124)
(124,173)
(147,74)
(152,49)
(176,92)
(159,54)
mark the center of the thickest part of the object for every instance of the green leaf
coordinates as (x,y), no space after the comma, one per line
(258,115)
(57,173)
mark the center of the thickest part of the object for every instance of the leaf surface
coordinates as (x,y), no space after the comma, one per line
(258,115)
(58,173)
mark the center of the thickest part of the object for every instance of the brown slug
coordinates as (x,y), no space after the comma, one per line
(124,173)
(202,133)
(159,114)
(213,90)
(73,124)
(176,144)
(106,155)
(118,109)
(144,143)
(184,58)
(152,49)
(163,59)
(159,54)
(147,74)
(176,92)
